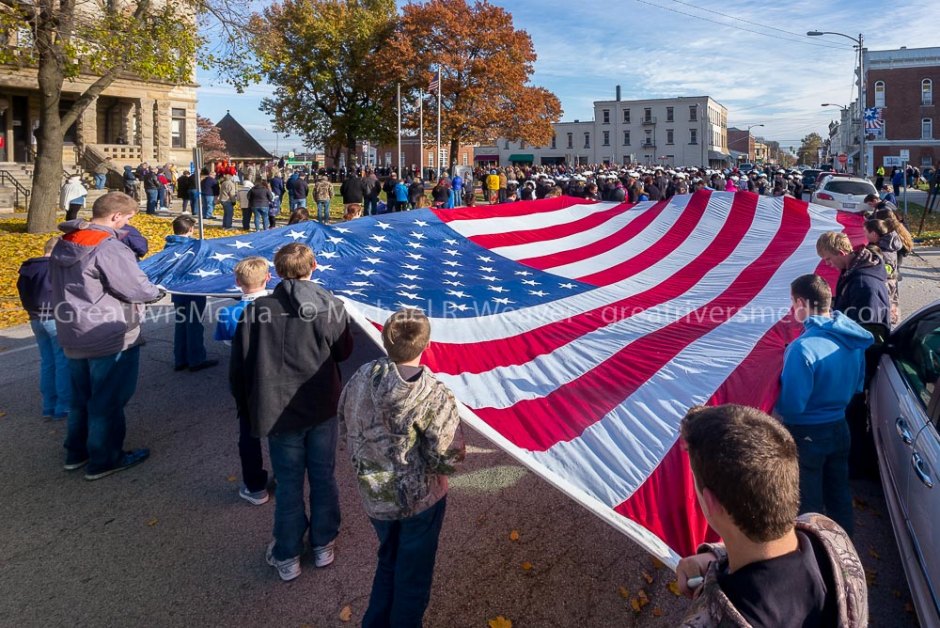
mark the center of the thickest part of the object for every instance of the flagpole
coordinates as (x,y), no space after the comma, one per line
(438,122)
(421,134)
(398,156)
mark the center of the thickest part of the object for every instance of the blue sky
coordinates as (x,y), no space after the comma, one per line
(749,56)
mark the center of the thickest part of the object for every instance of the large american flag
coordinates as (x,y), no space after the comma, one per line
(576,334)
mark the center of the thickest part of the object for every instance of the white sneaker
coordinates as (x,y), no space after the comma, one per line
(286,569)
(258,498)
(323,556)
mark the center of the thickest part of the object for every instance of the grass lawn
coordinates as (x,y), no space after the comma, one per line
(930,236)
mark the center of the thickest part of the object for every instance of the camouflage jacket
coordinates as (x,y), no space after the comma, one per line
(403,438)
(713,608)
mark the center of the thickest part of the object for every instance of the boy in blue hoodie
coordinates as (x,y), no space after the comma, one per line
(822,370)
(35,289)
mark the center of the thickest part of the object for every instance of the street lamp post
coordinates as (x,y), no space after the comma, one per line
(860,43)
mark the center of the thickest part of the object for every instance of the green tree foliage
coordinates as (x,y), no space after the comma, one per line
(321,56)
(101,41)
(809,149)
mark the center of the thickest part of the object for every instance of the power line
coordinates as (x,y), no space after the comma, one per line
(740,28)
(741,19)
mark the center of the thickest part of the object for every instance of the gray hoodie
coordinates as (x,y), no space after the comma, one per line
(98,291)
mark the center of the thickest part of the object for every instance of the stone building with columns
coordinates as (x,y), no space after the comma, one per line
(132,121)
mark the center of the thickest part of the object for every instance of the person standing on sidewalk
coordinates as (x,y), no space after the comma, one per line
(822,370)
(404,438)
(228,194)
(289,392)
(99,292)
(323,194)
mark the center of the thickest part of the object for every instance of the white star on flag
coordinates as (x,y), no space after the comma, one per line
(296,235)
(365,271)
(460,294)
(537,293)
(409,286)
(567,285)
(451,273)
(414,256)
(179,255)
(206,273)
(497,289)
(415,245)
(484,258)
(408,295)
(487,269)
(360,284)
(451,252)
(334,239)
(490,278)
(411,277)
(238,244)
(341,229)
(383,226)
(421,223)
(327,254)
(324,267)
(530,282)
(450,262)
(221,257)
(378,238)
(523,273)
(417,236)
(451,242)
(452,283)
(503,301)
(372,260)
(411,267)
(374,249)
(461,307)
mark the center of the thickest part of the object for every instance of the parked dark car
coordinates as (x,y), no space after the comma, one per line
(809,179)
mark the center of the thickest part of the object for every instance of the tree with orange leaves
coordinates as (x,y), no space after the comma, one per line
(485,64)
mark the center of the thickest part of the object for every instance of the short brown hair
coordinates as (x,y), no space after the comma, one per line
(113,203)
(183,224)
(749,462)
(833,242)
(251,271)
(294,261)
(406,334)
(814,290)
(877,226)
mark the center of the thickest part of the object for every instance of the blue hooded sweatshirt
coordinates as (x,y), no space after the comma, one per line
(822,370)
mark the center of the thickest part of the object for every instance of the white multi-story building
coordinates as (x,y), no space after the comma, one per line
(685,131)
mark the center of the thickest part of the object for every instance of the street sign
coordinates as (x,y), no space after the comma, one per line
(904,154)
(843,158)
(890,161)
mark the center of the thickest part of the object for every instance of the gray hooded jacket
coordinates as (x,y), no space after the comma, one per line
(97,290)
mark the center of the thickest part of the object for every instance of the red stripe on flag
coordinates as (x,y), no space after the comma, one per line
(509,210)
(478,357)
(734,229)
(599,247)
(562,415)
(527,236)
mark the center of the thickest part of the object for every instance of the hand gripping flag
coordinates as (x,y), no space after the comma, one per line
(576,334)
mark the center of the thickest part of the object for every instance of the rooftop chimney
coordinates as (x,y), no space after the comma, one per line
(618,92)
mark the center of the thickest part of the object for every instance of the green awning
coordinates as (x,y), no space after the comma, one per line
(522,158)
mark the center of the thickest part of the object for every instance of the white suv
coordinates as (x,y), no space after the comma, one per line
(844,193)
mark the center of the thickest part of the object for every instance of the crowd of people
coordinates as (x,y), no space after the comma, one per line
(775,488)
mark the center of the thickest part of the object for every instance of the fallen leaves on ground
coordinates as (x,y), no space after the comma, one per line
(499,622)
(657,612)
(624,592)
(647,577)
(514,535)
(231,478)
(674,587)
(345,614)
(16,246)
(527,566)
(639,601)
(153,522)
(657,564)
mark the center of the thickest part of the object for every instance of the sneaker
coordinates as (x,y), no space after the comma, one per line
(256,498)
(128,460)
(72,466)
(286,569)
(323,556)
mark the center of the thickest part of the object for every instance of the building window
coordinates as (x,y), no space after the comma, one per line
(926,92)
(626,138)
(554,140)
(693,136)
(926,129)
(506,145)
(670,115)
(670,136)
(606,114)
(647,114)
(606,138)
(178,128)
(626,116)
(465,159)
(649,139)
(693,114)
(430,160)
(571,140)
(587,140)
(880,94)
(521,144)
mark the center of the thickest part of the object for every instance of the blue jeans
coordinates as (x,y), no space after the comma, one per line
(323,211)
(824,470)
(208,205)
(193,201)
(311,451)
(100,181)
(152,196)
(101,387)
(369,206)
(261,218)
(297,202)
(189,345)
(55,383)
(161,196)
(228,211)
(401,588)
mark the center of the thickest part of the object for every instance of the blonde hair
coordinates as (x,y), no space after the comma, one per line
(251,272)
(833,242)
(294,261)
(406,334)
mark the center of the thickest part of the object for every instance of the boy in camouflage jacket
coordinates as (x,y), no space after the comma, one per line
(404,437)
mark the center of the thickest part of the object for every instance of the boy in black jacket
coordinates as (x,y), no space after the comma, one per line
(289,391)
(35,290)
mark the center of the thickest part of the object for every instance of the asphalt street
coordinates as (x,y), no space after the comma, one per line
(169,543)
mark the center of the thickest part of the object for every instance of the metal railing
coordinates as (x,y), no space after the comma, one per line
(18,188)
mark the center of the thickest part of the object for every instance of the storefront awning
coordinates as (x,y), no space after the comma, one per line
(486,158)
(522,157)
(714,155)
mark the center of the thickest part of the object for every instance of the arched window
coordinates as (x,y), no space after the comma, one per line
(926,129)
(926,92)
(880,94)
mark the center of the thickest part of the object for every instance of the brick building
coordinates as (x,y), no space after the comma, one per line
(741,141)
(383,156)
(902,83)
